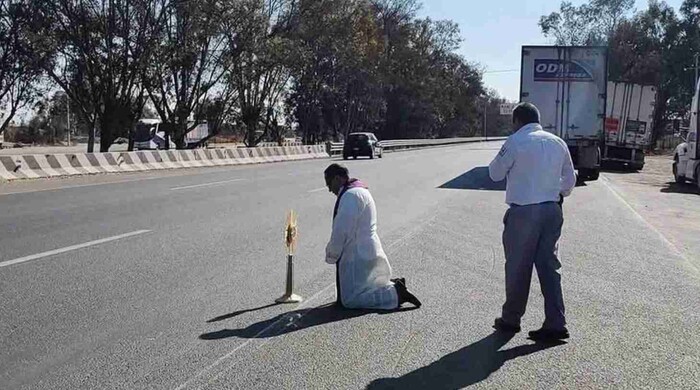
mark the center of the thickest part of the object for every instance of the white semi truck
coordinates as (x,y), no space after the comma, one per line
(568,85)
(629,120)
(149,135)
(686,159)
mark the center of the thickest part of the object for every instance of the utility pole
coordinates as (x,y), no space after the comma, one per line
(68,117)
(696,68)
(486,137)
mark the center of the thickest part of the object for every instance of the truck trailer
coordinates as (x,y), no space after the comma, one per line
(629,122)
(568,85)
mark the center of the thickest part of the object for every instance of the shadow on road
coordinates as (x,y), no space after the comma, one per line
(675,188)
(350,160)
(239,312)
(294,321)
(462,368)
(476,179)
(617,167)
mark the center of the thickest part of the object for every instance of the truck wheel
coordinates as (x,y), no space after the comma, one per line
(678,178)
(587,174)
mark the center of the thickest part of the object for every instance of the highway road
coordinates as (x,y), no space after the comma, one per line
(166,280)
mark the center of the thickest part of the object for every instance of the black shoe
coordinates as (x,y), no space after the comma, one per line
(549,335)
(505,327)
(404,294)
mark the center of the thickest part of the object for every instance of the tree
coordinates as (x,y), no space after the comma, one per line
(19,67)
(391,15)
(653,48)
(99,51)
(261,72)
(456,92)
(427,86)
(336,87)
(188,64)
(687,46)
(58,112)
(496,124)
(588,24)
(372,66)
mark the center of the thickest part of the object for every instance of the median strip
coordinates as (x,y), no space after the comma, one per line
(70,248)
(54,165)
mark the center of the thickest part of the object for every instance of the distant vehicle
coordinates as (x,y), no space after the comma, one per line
(149,136)
(197,134)
(686,158)
(361,144)
(568,85)
(121,140)
(629,121)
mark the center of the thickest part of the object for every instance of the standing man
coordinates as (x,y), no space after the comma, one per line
(362,269)
(540,174)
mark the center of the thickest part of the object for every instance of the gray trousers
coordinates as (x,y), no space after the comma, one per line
(530,237)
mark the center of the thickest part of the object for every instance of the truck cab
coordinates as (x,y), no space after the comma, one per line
(686,159)
(148,135)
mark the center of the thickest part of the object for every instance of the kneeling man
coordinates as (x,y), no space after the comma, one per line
(363,273)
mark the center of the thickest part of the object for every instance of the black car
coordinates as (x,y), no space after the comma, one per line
(362,144)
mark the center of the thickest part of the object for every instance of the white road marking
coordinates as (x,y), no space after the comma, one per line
(89,185)
(206,184)
(250,340)
(318,190)
(299,308)
(674,249)
(70,248)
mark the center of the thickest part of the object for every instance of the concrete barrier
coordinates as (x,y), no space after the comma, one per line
(55,165)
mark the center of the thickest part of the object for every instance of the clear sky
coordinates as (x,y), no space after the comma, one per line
(494,31)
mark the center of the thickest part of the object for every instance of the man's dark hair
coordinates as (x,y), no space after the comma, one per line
(526,113)
(334,170)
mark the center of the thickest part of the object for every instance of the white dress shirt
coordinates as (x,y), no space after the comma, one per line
(537,165)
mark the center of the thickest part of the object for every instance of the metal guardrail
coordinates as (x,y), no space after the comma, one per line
(335,148)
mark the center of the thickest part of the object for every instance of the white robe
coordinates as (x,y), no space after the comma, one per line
(364,269)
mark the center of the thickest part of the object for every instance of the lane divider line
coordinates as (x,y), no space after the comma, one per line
(70,248)
(217,362)
(205,184)
(303,306)
(671,246)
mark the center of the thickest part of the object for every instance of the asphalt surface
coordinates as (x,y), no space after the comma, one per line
(179,292)
(670,207)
